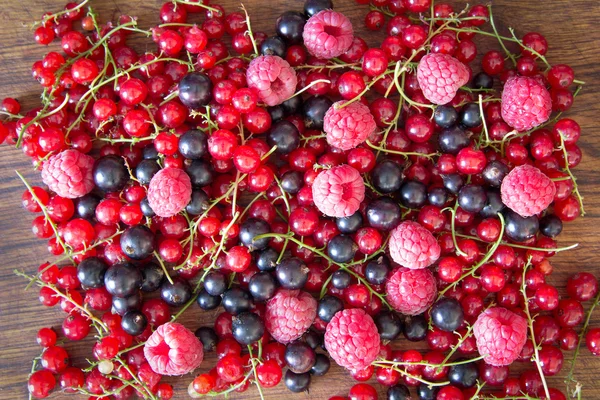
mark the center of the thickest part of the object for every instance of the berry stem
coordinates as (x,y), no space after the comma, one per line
(481,262)
(46,216)
(249,31)
(58,293)
(536,354)
(493,24)
(196,4)
(164,268)
(345,267)
(387,364)
(570,379)
(253,362)
(459,252)
(304,89)
(401,153)
(568,170)
(55,16)
(518,246)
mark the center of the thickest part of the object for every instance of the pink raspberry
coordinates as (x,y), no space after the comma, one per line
(352,339)
(170,190)
(440,76)
(525,103)
(289,314)
(328,34)
(348,127)
(338,192)
(500,335)
(411,291)
(172,349)
(273,79)
(527,191)
(69,174)
(413,246)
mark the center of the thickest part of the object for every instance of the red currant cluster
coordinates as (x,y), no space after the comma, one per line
(425,203)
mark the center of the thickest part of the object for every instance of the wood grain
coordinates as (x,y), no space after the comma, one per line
(569,26)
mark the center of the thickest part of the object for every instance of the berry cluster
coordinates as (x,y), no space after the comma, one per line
(330,197)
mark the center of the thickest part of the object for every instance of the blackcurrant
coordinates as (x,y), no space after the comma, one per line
(383,214)
(152,277)
(250,229)
(551,225)
(90,272)
(193,144)
(520,228)
(247,328)
(387,177)
(447,314)
(110,173)
(236,301)
(299,357)
(134,322)
(292,273)
(200,171)
(285,136)
(415,328)
(195,90)
(122,279)
(349,224)
(137,242)
(314,110)
(206,301)
(177,293)
(208,337)
(472,198)
(290,26)
(341,249)
(214,283)
(388,325)
(321,365)
(445,116)
(262,286)
(328,306)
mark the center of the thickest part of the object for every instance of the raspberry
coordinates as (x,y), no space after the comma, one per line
(173,350)
(527,191)
(413,246)
(348,127)
(338,192)
(289,314)
(273,79)
(352,340)
(328,34)
(500,335)
(69,174)
(440,76)
(170,190)
(411,291)
(525,103)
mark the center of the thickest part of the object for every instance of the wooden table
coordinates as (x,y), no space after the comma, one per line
(570,27)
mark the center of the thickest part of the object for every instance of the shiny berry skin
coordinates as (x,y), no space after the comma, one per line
(569,313)
(55,359)
(46,337)
(414,36)
(592,341)
(419,128)
(350,85)
(375,62)
(41,383)
(582,286)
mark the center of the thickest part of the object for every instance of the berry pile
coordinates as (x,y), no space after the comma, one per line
(330,197)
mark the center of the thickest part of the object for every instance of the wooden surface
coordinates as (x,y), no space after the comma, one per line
(570,27)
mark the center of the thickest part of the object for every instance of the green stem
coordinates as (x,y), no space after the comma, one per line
(536,354)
